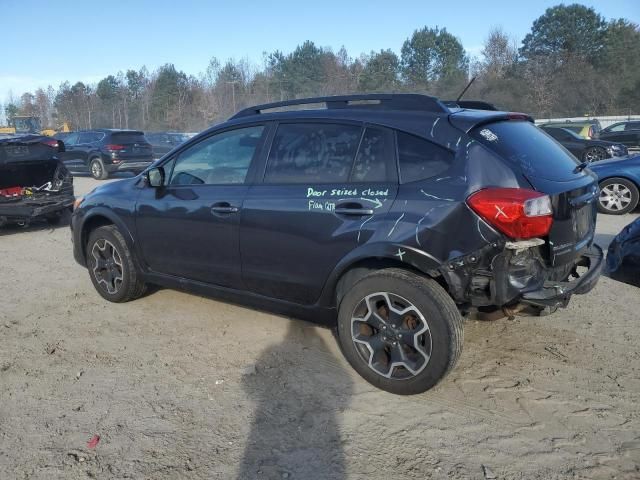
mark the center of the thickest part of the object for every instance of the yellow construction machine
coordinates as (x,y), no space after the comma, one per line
(28,124)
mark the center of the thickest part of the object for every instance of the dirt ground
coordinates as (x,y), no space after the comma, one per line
(179,386)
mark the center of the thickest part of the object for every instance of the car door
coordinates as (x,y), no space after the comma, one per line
(188,228)
(613,133)
(71,157)
(632,134)
(313,205)
(88,144)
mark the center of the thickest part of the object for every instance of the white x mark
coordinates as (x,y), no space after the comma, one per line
(400,254)
(500,212)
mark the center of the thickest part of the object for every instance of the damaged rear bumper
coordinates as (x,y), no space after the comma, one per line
(24,211)
(557,294)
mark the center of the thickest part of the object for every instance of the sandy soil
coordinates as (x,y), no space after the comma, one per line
(179,386)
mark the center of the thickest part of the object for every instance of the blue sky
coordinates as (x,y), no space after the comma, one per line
(46,42)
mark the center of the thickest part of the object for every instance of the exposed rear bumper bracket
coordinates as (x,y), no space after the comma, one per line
(557,294)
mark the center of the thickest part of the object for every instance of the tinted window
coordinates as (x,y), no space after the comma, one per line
(632,126)
(374,154)
(616,128)
(420,159)
(314,153)
(528,147)
(128,137)
(71,139)
(221,159)
(91,137)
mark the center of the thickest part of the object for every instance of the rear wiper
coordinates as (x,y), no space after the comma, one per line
(581,166)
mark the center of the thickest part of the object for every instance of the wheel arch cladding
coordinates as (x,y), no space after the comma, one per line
(356,266)
(101,218)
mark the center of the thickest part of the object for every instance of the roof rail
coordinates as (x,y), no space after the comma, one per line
(393,101)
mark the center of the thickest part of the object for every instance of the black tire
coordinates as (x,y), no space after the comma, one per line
(103,241)
(594,154)
(429,303)
(97,170)
(617,196)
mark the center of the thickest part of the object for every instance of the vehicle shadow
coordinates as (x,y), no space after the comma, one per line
(34,226)
(300,390)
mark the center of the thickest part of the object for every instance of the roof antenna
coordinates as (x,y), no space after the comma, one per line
(466,88)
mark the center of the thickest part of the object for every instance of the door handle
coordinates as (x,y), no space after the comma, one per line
(354,210)
(223,207)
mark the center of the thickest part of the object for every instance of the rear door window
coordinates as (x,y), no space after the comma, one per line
(312,153)
(632,126)
(374,156)
(420,159)
(529,148)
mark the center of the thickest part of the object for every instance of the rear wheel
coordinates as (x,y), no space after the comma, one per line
(97,169)
(111,266)
(593,154)
(617,196)
(401,332)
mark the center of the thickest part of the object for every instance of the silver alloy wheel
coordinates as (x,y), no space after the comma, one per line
(391,335)
(107,270)
(615,197)
(96,169)
(594,154)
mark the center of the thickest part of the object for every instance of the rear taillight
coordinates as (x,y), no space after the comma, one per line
(53,143)
(517,212)
(114,148)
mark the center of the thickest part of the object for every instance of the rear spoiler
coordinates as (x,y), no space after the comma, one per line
(466,120)
(470,104)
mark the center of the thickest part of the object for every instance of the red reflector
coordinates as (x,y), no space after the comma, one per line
(518,116)
(115,147)
(517,212)
(51,143)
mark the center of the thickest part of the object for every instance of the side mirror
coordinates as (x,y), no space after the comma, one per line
(155,177)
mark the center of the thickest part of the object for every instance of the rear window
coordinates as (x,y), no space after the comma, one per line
(535,152)
(128,137)
(420,159)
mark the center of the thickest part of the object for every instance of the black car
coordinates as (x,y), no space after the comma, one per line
(627,133)
(586,150)
(623,256)
(163,142)
(34,184)
(388,214)
(105,151)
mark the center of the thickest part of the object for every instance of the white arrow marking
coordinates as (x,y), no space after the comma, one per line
(377,202)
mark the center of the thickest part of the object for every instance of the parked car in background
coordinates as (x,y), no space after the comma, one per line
(623,257)
(587,129)
(33,182)
(104,151)
(163,142)
(388,214)
(619,181)
(627,133)
(585,150)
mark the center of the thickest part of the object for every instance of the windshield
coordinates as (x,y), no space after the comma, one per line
(26,125)
(533,150)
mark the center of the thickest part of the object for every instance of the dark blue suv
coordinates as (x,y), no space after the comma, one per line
(394,214)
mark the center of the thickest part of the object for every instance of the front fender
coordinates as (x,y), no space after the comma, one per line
(96,216)
(393,253)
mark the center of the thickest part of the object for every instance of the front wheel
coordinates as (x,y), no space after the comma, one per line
(111,266)
(401,332)
(97,169)
(617,196)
